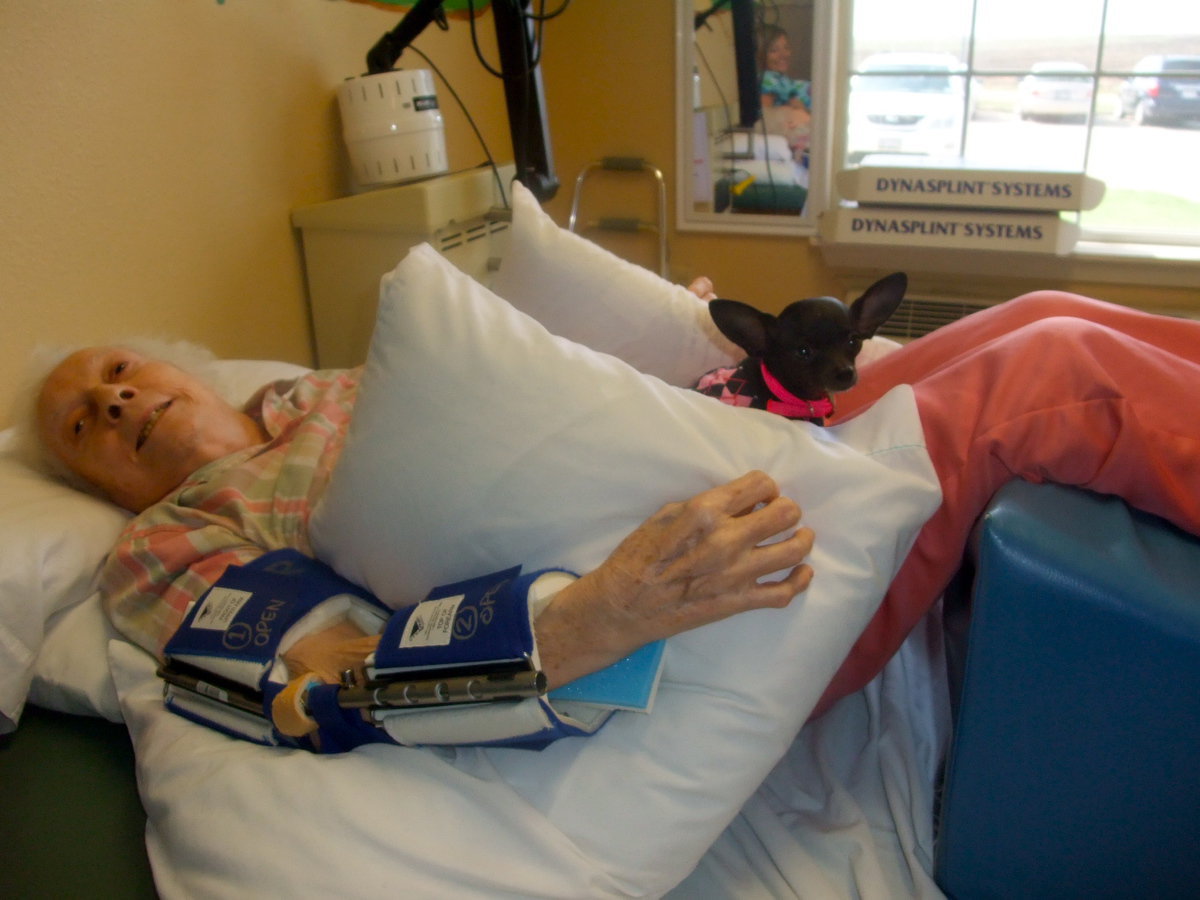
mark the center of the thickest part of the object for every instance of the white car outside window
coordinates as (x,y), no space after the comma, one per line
(907,103)
(1055,90)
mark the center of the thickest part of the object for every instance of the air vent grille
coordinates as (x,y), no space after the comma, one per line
(457,235)
(918,316)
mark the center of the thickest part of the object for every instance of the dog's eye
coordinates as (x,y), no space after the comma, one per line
(855,342)
(801,352)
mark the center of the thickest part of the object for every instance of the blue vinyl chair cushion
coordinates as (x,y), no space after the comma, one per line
(1074,769)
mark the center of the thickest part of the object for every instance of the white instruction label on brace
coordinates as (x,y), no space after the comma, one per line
(432,623)
(219,608)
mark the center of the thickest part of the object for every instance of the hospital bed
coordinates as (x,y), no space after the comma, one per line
(1069,745)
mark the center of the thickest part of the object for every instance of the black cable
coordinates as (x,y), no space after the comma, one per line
(716,84)
(491,161)
(701,18)
(762,8)
(475,42)
(521,126)
(545,16)
(766,151)
(539,17)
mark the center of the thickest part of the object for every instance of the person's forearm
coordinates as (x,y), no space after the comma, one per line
(573,640)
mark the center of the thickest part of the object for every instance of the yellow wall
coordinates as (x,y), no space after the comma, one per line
(609,68)
(151,152)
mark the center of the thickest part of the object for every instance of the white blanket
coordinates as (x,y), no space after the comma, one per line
(846,814)
(843,810)
(481,440)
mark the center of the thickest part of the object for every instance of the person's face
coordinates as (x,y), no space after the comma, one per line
(779,54)
(135,427)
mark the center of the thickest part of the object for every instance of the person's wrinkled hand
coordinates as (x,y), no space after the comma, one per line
(689,564)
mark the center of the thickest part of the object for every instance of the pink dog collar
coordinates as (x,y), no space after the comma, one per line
(785,403)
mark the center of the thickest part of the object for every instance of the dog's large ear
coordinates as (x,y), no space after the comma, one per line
(877,303)
(742,324)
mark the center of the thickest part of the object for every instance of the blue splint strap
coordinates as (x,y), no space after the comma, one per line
(461,667)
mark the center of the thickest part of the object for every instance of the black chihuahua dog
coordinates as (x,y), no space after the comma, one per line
(800,358)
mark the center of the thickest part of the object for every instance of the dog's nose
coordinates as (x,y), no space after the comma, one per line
(845,377)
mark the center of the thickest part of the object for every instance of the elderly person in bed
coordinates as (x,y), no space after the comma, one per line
(218,486)
(1046,387)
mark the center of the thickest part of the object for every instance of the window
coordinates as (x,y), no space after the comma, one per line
(1107,87)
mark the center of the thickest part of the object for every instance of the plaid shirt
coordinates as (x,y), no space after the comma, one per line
(231,510)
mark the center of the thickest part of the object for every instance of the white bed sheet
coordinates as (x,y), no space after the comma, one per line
(560,477)
(847,813)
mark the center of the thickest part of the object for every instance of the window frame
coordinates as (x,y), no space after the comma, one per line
(1107,255)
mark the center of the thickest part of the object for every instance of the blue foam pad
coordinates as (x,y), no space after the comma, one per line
(1075,766)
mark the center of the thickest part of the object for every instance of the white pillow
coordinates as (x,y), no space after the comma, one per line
(52,540)
(480,440)
(579,290)
(70,673)
(52,543)
(228,819)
